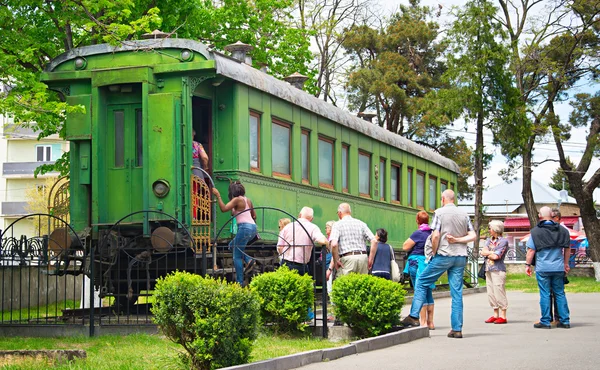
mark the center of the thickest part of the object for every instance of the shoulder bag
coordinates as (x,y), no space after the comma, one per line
(394,268)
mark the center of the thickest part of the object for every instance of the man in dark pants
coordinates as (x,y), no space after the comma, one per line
(550,244)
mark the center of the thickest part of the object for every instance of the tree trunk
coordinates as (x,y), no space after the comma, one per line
(478,173)
(585,201)
(528,202)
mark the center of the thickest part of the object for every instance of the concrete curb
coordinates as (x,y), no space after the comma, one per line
(364,345)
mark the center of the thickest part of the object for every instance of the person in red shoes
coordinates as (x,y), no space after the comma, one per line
(495,272)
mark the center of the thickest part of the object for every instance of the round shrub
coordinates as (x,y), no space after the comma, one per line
(369,305)
(284,297)
(215,322)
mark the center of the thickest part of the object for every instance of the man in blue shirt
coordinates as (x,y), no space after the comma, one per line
(550,244)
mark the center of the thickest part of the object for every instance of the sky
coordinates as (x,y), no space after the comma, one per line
(543,151)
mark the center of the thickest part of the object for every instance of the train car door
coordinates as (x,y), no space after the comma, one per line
(124,160)
(202,122)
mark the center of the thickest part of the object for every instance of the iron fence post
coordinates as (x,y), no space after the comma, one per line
(92,290)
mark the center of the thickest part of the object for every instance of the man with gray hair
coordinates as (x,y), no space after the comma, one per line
(296,241)
(452,230)
(348,238)
(550,244)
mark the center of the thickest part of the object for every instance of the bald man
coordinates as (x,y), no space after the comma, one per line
(452,230)
(550,244)
(296,241)
(348,243)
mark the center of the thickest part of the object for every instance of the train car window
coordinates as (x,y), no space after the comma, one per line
(395,183)
(382,179)
(452,186)
(281,149)
(364,174)
(420,190)
(255,141)
(432,192)
(326,162)
(119,138)
(345,168)
(305,156)
(409,186)
(43,153)
(443,185)
(139,139)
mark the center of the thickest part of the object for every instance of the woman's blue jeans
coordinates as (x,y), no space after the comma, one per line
(413,271)
(245,233)
(455,265)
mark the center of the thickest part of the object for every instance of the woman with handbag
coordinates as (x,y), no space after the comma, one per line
(495,272)
(416,263)
(242,208)
(381,256)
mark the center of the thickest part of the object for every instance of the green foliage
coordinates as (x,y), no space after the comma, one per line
(215,322)
(33,32)
(284,298)
(369,305)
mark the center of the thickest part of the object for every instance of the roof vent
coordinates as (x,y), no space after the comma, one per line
(367,116)
(263,67)
(239,50)
(156,34)
(296,79)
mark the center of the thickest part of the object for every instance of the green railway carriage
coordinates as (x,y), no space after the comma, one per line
(131,148)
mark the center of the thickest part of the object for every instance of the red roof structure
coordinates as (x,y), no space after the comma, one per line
(522,223)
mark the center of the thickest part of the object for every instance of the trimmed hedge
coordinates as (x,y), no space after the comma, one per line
(369,305)
(215,322)
(284,297)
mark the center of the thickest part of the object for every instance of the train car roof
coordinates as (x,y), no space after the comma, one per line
(243,73)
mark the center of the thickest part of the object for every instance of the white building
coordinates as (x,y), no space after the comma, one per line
(20,154)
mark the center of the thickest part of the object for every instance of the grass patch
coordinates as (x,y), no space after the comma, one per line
(143,351)
(39,312)
(270,346)
(140,351)
(577,284)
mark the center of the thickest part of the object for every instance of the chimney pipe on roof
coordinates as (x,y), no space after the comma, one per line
(296,79)
(239,50)
(367,116)
(156,34)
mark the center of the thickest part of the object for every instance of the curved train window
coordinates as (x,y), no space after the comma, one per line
(409,186)
(304,144)
(345,168)
(382,178)
(254,141)
(119,116)
(395,183)
(420,189)
(432,192)
(325,162)
(364,174)
(281,149)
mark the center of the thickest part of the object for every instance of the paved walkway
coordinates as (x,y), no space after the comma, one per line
(516,345)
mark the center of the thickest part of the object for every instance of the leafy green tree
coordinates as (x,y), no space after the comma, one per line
(480,86)
(547,51)
(395,67)
(32,32)
(586,113)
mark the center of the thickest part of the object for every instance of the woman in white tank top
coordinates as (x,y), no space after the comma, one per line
(242,208)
